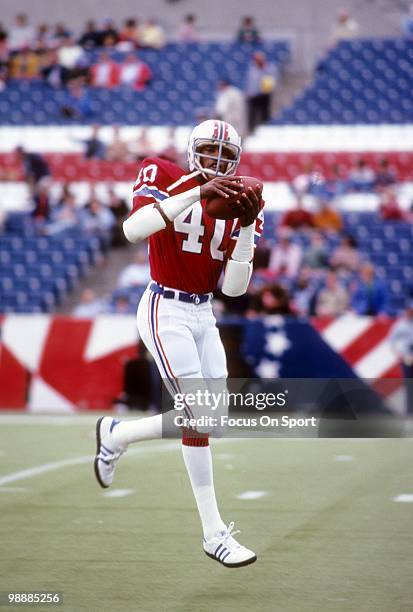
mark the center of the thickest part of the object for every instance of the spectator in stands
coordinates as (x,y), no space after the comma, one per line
(35,167)
(118,149)
(4,56)
(136,274)
(50,69)
(369,294)
(385,177)
(248,31)
(69,57)
(3,76)
(315,256)
(188,29)
(121,305)
(94,147)
(152,35)
(41,205)
(43,38)
(89,306)
(285,258)
(66,216)
(105,72)
(345,28)
(333,299)
(304,292)
(22,35)
(98,220)
(230,106)
(362,177)
(134,73)
(338,184)
(262,78)
(120,211)
(389,207)
(90,37)
(327,219)
(108,35)
(346,257)
(60,34)
(129,36)
(301,182)
(401,341)
(273,299)
(407,24)
(77,104)
(298,218)
(24,65)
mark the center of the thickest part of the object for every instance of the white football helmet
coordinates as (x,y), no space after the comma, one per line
(218,133)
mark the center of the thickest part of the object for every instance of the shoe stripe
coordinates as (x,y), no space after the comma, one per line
(222,553)
(106,449)
(217,549)
(222,559)
(113,424)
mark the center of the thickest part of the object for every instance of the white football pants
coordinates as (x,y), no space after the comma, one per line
(184,341)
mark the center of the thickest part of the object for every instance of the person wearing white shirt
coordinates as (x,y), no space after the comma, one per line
(135,274)
(22,35)
(230,106)
(286,257)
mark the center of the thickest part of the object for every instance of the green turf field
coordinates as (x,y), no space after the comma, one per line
(328,535)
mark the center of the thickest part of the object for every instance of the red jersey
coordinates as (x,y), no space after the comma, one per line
(188,254)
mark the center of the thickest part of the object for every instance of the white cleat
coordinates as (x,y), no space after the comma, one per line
(226,550)
(107,453)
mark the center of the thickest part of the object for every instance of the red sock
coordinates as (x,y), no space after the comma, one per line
(190,437)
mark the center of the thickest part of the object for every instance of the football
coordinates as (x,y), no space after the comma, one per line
(227,208)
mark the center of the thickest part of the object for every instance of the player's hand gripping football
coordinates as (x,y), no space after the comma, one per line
(250,202)
(221,186)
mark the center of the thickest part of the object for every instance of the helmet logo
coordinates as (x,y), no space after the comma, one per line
(220,126)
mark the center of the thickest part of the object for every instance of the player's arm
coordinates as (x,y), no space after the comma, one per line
(154,216)
(239,266)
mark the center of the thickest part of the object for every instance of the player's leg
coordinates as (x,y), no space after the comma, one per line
(113,436)
(220,545)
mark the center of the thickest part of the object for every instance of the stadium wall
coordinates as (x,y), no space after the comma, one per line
(62,364)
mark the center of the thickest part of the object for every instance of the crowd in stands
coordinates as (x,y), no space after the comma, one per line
(360,178)
(298,274)
(58,54)
(315,280)
(52,215)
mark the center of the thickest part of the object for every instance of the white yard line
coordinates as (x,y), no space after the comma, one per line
(343,458)
(406,498)
(37,470)
(118,492)
(160,447)
(247,495)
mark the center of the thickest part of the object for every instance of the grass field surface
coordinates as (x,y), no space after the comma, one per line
(321,515)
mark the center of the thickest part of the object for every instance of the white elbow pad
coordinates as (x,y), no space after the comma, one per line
(152,218)
(236,278)
(143,223)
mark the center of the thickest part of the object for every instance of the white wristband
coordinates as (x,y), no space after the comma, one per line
(244,249)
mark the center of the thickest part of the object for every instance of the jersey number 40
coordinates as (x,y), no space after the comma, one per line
(190,223)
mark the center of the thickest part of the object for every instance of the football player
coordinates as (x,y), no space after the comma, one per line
(187,252)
